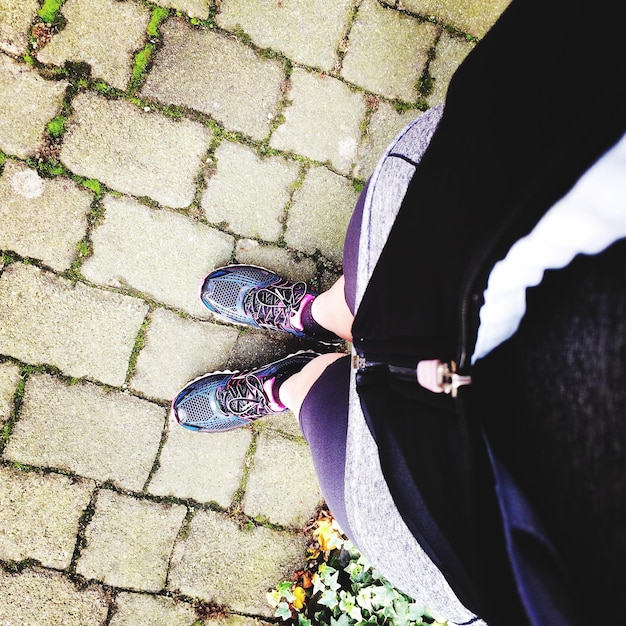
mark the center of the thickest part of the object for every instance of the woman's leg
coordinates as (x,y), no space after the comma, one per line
(331,311)
(295,389)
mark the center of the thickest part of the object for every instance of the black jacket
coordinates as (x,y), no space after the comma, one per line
(537,102)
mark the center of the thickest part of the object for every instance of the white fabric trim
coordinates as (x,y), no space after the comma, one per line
(585,221)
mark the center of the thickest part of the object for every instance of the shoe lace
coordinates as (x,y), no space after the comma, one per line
(244,397)
(273,306)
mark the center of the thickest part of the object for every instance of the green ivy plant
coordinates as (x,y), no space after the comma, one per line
(340,588)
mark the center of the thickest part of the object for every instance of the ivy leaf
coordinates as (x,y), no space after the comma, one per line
(401,607)
(383,595)
(330,579)
(329,599)
(285,591)
(364,598)
(304,621)
(318,583)
(415,612)
(343,620)
(390,612)
(273,598)
(283,611)
(346,601)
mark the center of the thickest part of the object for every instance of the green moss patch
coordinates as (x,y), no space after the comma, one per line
(49,10)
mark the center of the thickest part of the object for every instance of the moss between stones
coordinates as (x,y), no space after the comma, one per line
(142,59)
(158,15)
(56,126)
(49,10)
(140,341)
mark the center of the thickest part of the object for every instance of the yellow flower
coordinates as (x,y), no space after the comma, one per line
(299,594)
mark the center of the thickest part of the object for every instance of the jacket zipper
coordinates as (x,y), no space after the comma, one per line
(448,380)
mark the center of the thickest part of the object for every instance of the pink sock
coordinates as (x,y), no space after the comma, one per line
(271,388)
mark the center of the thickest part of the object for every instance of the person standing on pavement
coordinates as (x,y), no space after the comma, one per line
(505,502)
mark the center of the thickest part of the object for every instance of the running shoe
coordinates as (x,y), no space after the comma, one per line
(254,296)
(225,400)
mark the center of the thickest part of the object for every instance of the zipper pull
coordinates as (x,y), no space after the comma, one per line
(358,362)
(449,381)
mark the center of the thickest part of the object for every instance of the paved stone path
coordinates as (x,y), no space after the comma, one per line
(142,144)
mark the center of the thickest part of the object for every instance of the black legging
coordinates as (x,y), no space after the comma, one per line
(324,412)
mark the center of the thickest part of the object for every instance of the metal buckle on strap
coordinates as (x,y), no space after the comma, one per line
(449,380)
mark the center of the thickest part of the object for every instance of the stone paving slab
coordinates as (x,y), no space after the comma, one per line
(216,75)
(472,16)
(157,252)
(27,103)
(451,51)
(276,460)
(178,350)
(82,428)
(129,542)
(323,121)
(15,20)
(205,467)
(148,610)
(285,424)
(247,194)
(218,562)
(53,504)
(133,609)
(306,31)
(43,597)
(256,348)
(386,122)
(239,620)
(107,44)
(193,8)
(81,330)
(388,51)
(42,218)
(285,262)
(135,151)
(309,225)
(9,379)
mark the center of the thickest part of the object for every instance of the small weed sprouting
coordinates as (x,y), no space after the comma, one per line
(83,248)
(94,185)
(426,84)
(358,185)
(8,257)
(140,342)
(402,107)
